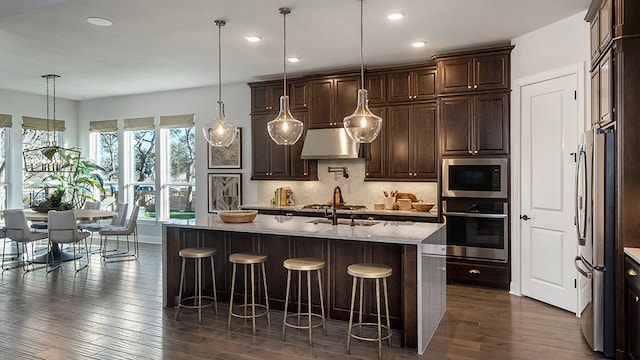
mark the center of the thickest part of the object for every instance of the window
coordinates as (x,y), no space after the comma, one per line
(5,122)
(104,151)
(178,180)
(141,144)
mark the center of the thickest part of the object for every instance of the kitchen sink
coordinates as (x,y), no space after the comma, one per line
(344,222)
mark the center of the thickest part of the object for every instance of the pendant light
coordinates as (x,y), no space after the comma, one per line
(219,133)
(362,126)
(285,129)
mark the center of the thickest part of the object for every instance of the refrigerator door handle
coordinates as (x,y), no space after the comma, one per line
(585,273)
(582,158)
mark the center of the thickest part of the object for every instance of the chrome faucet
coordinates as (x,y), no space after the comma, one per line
(334,216)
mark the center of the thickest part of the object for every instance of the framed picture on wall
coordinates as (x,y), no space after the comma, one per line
(225,191)
(229,157)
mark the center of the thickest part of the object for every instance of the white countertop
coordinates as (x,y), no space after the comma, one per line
(396,232)
(633,253)
(298,208)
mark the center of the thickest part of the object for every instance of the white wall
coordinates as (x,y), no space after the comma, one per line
(19,104)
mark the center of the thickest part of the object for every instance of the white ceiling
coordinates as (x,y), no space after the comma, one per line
(157,45)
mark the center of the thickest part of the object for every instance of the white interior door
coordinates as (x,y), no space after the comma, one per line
(549,134)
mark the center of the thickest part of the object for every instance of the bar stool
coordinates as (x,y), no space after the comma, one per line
(362,272)
(247,259)
(197,254)
(307,265)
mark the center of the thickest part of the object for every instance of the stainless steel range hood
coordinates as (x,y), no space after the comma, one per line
(331,143)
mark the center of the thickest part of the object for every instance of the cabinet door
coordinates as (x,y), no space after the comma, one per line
(424,141)
(605,22)
(491,72)
(376,165)
(633,323)
(298,95)
(595,96)
(399,140)
(605,89)
(424,84)
(269,160)
(260,98)
(455,125)
(321,103)
(595,37)
(455,75)
(400,86)
(377,88)
(491,124)
(346,97)
(301,169)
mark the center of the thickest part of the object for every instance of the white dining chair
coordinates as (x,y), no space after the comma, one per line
(63,229)
(118,221)
(131,229)
(17,230)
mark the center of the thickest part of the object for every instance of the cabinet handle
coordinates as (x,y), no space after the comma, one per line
(475,86)
(475,151)
(415,174)
(637,299)
(474,271)
(470,152)
(632,272)
(410,174)
(468,86)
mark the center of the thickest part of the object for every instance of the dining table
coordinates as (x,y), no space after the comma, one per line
(56,252)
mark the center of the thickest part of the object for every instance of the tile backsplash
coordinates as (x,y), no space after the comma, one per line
(355,190)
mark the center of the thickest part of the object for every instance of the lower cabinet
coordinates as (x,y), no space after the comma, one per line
(482,273)
(632,305)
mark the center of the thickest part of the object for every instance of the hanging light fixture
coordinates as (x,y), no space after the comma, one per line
(219,133)
(362,126)
(51,158)
(285,129)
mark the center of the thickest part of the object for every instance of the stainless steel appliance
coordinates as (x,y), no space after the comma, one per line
(595,223)
(475,177)
(477,228)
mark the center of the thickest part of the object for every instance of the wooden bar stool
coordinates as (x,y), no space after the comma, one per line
(362,272)
(307,265)
(197,254)
(247,259)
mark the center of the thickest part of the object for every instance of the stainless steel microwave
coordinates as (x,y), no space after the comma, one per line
(475,177)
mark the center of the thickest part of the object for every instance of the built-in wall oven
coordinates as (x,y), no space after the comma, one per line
(476,208)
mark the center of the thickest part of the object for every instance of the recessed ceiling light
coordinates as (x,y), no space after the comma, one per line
(293,59)
(418,44)
(98,21)
(253,38)
(395,16)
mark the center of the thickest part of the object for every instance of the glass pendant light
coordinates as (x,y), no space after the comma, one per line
(285,129)
(362,126)
(219,133)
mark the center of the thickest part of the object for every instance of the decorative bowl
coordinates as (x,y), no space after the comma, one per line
(237,216)
(422,206)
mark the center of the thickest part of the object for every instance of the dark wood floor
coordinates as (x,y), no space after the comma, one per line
(114,311)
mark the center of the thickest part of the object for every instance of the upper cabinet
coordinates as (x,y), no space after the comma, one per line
(474,71)
(265,97)
(602,91)
(412,84)
(601,27)
(475,124)
(332,99)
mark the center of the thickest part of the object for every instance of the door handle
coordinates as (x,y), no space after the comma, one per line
(524,217)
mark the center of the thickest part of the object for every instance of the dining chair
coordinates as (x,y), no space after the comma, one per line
(131,229)
(17,230)
(63,229)
(118,221)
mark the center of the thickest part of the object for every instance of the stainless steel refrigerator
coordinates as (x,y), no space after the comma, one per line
(595,224)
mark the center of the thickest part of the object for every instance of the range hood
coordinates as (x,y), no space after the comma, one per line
(333,143)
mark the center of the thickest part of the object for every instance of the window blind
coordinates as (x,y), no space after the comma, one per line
(177,121)
(5,121)
(42,124)
(103,126)
(145,123)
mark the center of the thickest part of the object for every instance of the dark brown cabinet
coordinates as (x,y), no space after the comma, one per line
(278,162)
(412,84)
(376,164)
(475,125)
(411,141)
(376,87)
(265,97)
(632,306)
(482,273)
(331,99)
(601,28)
(602,91)
(470,72)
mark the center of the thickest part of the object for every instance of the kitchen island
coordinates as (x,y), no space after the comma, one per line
(415,252)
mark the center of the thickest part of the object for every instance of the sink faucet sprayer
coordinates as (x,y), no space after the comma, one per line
(334,216)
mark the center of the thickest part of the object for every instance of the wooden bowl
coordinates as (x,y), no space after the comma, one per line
(237,216)
(422,206)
